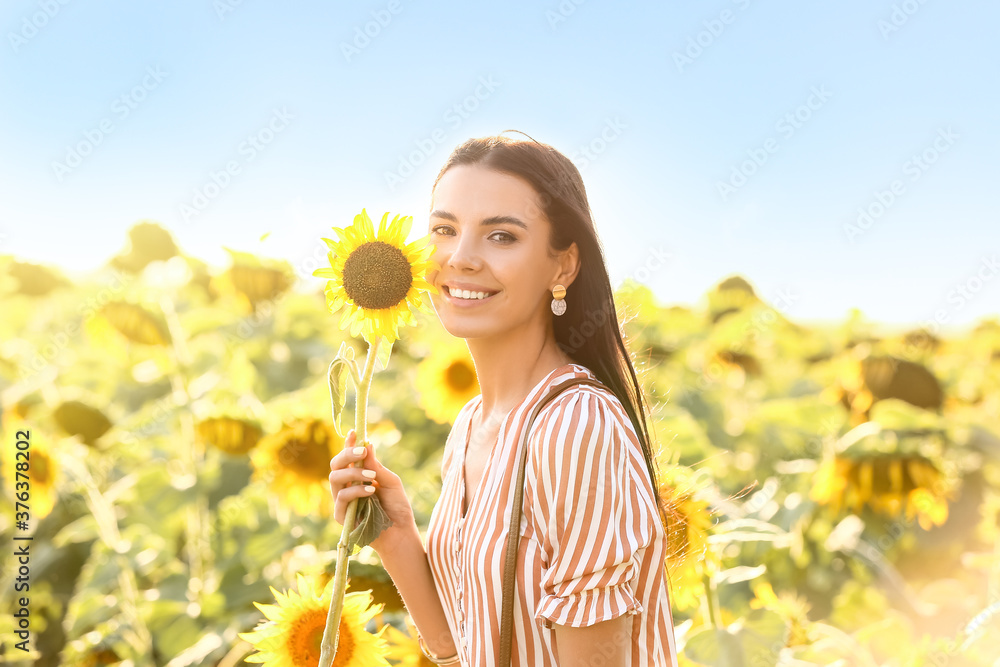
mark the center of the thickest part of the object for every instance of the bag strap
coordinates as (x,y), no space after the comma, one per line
(514,530)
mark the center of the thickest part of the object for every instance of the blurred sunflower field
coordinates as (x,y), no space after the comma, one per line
(833,493)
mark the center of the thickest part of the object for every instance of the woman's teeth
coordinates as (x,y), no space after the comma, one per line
(466,294)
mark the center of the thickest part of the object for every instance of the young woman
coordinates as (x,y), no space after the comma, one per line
(523,281)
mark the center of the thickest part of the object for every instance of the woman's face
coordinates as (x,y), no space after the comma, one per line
(491,239)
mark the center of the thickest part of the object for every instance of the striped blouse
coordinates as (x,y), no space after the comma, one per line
(593,546)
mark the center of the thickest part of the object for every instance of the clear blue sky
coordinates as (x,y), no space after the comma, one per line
(183,87)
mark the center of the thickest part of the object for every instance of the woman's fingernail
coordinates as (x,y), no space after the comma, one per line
(369,489)
(370,474)
(358,451)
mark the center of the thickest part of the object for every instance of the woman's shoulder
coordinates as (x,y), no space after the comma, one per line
(465,413)
(583,402)
(579,410)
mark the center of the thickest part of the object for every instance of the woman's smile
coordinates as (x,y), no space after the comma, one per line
(464,295)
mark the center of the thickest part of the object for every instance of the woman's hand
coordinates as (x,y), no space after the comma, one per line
(373,479)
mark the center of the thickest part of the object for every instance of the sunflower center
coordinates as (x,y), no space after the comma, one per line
(345,646)
(460,376)
(40,468)
(309,457)
(377,275)
(305,638)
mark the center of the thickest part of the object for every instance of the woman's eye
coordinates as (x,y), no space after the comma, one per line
(503,237)
(441,229)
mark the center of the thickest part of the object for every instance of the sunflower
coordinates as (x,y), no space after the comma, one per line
(136,323)
(101,657)
(258,283)
(43,470)
(35,280)
(890,485)
(95,649)
(790,607)
(404,648)
(148,242)
(375,278)
(730,296)
(233,436)
(255,282)
(295,462)
(80,419)
(374,578)
(687,524)
(292,635)
(446,380)
(739,361)
(866,381)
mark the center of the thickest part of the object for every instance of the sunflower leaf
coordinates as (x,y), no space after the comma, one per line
(382,360)
(739,573)
(371,521)
(338,387)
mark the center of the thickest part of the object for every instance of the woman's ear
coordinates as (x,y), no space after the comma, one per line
(569,265)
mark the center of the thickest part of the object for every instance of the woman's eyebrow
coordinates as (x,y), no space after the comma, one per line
(486,222)
(503,219)
(438,213)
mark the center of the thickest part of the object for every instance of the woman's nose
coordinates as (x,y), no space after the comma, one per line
(464,254)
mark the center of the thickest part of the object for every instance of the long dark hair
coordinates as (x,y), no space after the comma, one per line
(589,331)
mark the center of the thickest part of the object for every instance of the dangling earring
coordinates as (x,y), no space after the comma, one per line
(558,301)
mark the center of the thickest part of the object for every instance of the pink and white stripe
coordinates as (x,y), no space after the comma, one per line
(593,546)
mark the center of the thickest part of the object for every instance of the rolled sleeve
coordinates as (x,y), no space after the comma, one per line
(590,526)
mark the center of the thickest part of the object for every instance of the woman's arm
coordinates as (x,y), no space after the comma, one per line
(405,559)
(611,639)
(399,546)
(591,528)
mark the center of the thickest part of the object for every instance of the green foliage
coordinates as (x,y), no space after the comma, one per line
(157,546)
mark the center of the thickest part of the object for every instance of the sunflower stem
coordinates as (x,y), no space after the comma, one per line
(103,511)
(331,634)
(712,598)
(198,543)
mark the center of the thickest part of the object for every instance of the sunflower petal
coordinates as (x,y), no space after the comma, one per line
(403,229)
(342,234)
(345,319)
(383,231)
(421,245)
(335,302)
(367,229)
